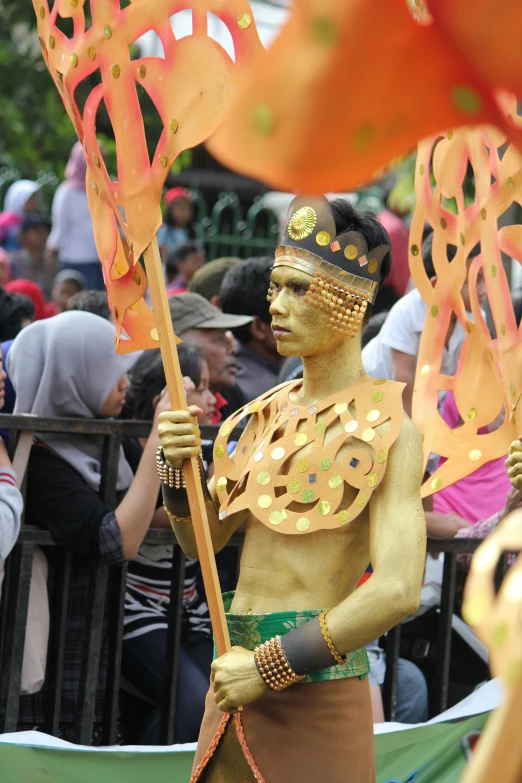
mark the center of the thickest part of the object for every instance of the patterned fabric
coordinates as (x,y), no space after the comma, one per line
(249,630)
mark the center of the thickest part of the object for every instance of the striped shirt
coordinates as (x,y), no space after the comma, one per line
(147,596)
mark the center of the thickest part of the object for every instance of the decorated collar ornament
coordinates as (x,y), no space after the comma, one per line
(346,275)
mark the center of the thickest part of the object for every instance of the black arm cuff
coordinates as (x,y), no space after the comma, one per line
(306,649)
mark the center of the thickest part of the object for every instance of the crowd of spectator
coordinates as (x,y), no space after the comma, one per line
(56,334)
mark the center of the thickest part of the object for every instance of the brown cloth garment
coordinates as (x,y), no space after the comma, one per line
(307,733)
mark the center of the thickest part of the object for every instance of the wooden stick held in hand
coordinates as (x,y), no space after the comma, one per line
(169,355)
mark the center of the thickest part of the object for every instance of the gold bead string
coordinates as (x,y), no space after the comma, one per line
(347,305)
(273,665)
(328,639)
(270,292)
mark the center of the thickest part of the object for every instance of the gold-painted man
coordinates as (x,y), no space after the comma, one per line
(325,478)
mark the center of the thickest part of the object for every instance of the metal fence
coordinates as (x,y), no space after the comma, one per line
(109,582)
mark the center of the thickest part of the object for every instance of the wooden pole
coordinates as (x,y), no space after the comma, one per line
(169,354)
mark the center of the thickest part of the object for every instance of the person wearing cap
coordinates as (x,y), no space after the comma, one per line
(197,322)
(31,262)
(326,478)
(207,280)
(178,225)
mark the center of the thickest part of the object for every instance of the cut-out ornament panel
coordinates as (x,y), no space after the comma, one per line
(409,69)
(191,88)
(488,383)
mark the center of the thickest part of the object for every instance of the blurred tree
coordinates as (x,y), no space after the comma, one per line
(35,132)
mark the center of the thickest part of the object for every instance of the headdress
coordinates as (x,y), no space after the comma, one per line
(346,275)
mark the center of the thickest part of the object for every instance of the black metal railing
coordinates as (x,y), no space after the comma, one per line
(107,596)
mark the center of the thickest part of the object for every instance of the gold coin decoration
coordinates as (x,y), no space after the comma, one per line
(120,266)
(116,71)
(74,60)
(302,223)
(303,465)
(425,370)
(136,277)
(434,311)
(276,517)
(325,463)
(475,454)
(302,524)
(320,427)
(107,31)
(323,238)
(368,435)
(244,21)
(254,407)
(361,500)
(221,484)
(323,508)
(472,413)
(414,250)
(52,42)
(224,430)
(351,252)
(95,188)
(263,119)
(379,381)
(377,397)
(163,159)
(493,270)
(142,71)
(381,456)
(96,160)
(294,487)
(351,426)
(372,266)
(373,415)
(300,439)
(154,334)
(436,483)
(91,53)
(343,517)
(307,495)
(173,125)
(372,480)
(263,478)
(264,501)
(443,222)
(335,482)
(512,389)
(503,329)
(278,453)
(219,452)
(341,407)
(41,11)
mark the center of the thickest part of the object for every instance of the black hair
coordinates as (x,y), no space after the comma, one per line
(244,291)
(348,218)
(373,327)
(14,309)
(451,252)
(147,378)
(517,307)
(95,302)
(179,255)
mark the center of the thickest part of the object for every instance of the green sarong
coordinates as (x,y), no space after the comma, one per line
(249,630)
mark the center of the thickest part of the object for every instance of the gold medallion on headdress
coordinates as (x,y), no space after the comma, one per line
(293,466)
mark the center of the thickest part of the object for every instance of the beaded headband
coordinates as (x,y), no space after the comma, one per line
(346,276)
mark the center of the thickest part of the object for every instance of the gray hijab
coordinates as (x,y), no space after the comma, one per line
(66,366)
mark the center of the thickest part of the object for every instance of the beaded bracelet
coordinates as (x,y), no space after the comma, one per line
(172,477)
(273,665)
(328,639)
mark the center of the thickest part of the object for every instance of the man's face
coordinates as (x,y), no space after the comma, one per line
(299,329)
(220,351)
(35,239)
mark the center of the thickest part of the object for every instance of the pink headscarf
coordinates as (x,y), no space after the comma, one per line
(76,168)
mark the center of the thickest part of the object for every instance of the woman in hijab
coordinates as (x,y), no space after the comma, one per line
(21,199)
(67,367)
(72,237)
